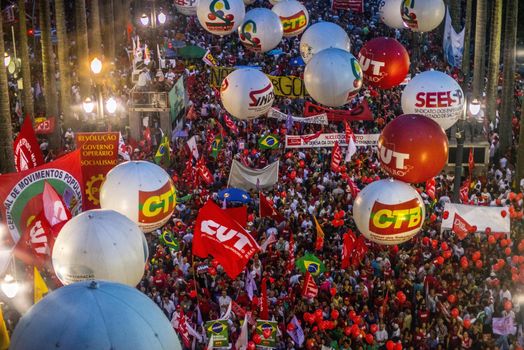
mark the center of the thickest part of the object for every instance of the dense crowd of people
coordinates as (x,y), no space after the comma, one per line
(404,294)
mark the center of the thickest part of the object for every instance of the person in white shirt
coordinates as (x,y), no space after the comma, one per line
(223,301)
(381,336)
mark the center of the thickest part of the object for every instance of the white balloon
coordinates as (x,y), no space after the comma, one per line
(389,12)
(435,95)
(247,93)
(95,315)
(140,190)
(261,30)
(332,77)
(187,7)
(389,212)
(293,15)
(100,244)
(423,15)
(221,17)
(321,36)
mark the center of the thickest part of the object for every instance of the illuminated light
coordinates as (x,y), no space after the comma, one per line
(88,105)
(162,18)
(96,65)
(111,105)
(9,286)
(144,20)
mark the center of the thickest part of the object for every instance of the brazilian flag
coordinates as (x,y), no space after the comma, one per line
(310,263)
(163,152)
(269,142)
(169,241)
(216,146)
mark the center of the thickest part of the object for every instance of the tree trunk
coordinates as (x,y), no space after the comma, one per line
(49,71)
(467,41)
(480,48)
(494,60)
(63,62)
(109,30)
(27,94)
(455,11)
(507,109)
(7,160)
(95,47)
(83,51)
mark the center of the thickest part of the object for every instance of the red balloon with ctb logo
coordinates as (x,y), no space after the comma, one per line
(413,148)
(385,62)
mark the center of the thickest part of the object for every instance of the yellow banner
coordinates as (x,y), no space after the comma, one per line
(288,85)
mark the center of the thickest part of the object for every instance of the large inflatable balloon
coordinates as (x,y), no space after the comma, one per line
(221,17)
(389,12)
(142,191)
(187,7)
(435,95)
(321,36)
(100,244)
(247,93)
(389,212)
(384,61)
(95,315)
(293,15)
(423,15)
(413,148)
(333,77)
(261,30)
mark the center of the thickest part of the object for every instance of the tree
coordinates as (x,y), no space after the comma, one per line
(508,88)
(95,46)
(82,48)
(480,49)
(494,60)
(27,94)
(455,12)
(467,40)
(49,70)
(63,62)
(7,161)
(109,30)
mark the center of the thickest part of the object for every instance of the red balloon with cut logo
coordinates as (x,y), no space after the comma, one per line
(385,62)
(413,148)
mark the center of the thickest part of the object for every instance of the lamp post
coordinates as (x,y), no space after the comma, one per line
(89,105)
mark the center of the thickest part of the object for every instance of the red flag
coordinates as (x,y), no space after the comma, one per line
(220,235)
(308,138)
(266,209)
(55,210)
(348,131)
(471,162)
(461,227)
(264,308)
(230,124)
(204,172)
(347,248)
(182,328)
(336,158)
(309,288)
(464,191)
(360,251)
(34,246)
(26,148)
(239,213)
(354,189)
(430,188)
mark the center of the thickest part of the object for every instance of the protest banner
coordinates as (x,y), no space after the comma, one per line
(328,140)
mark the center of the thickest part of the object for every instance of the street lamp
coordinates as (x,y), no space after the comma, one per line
(474,107)
(9,286)
(162,18)
(111,105)
(7,59)
(96,65)
(144,19)
(88,105)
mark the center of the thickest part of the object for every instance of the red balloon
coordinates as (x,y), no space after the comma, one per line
(301,163)
(251,345)
(310,343)
(413,148)
(503,243)
(454,312)
(444,246)
(347,331)
(467,323)
(385,62)
(193,294)
(334,314)
(290,327)
(508,305)
(445,215)
(266,332)
(318,314)
(434,243)
(390,345)
(464,262)
(212,271)
(503,213)
(452,298)
(357,320)
(439,260)
(333,291)
(488,230)
(492,240)
(373,328)
(475,256)
(507,251)
(478,264)
(446,254)
(352,315)
(425,240)
(355,331)
(401,297)
(257,339)
(369,339)
(398,346)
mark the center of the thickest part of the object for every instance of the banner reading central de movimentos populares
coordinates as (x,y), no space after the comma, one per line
(329,140)
(98,155)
